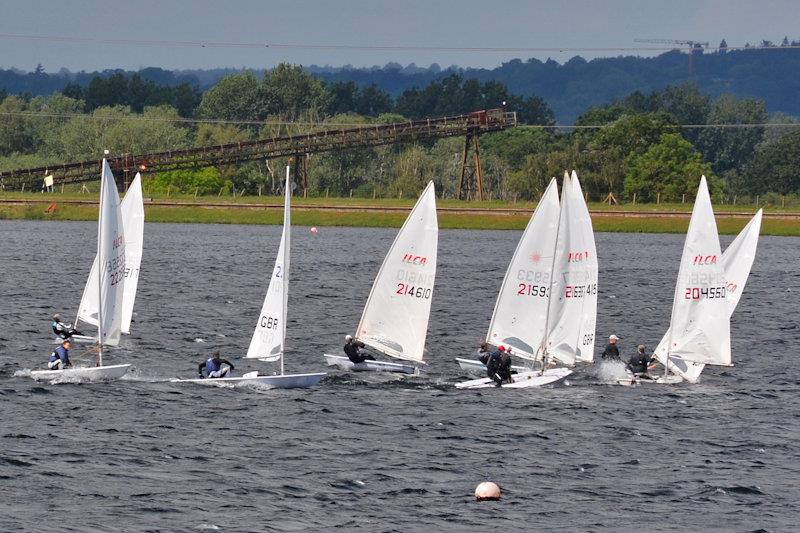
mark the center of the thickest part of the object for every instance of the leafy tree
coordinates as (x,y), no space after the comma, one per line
(296,91)
(238,97)
(514,145)
(206,180)
(16,134)
(776,167)
(731,148)
(672,168)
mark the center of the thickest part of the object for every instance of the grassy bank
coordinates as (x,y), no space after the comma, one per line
(616,219)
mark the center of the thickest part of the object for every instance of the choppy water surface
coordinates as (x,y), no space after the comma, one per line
(383,453)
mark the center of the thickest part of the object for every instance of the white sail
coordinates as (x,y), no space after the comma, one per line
(395,318)
(737,260)
(111,259)
(520,312)
(87,309)
(700,324)
(267,343)
(132,208)
(585,241)
(574,282)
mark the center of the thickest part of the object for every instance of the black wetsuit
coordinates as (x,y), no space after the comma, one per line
(64,331)
(611,353)
(639,362)
(498,367)
(351,349)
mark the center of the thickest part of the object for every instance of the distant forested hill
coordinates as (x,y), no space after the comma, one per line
(772,75)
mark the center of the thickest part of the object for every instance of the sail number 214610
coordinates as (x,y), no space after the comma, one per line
(404,289)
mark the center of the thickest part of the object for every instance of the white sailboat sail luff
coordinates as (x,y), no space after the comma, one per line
(267,343)
(132,208)
(737,260)
(584,240)
(521,309)
(111,259)
(700,325)
(395,317)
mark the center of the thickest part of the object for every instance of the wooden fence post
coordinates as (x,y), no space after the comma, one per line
(658,198)
(634,198)
(683,198)
(756,201)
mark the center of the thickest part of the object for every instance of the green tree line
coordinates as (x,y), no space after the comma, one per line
(654,145)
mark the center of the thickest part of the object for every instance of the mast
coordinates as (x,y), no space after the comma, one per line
(103,185)
(286,254)
(552,271)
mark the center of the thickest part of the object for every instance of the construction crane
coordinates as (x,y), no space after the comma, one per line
(693,46)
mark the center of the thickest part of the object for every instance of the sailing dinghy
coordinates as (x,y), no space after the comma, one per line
(132,209)
(555,255)
(108,288)
(395,318)
(699,331)
(737,261)
(269,337)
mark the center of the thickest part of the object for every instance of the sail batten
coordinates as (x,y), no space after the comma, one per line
(395,317)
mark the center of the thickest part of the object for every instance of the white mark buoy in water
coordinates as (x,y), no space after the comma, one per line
(487,491)
(313,230)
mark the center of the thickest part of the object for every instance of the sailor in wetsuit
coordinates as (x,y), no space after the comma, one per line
(484,353)
(64,331)
(213,367)
(351,349)
(59,359)
(639,362)
(498,367)
(611,353)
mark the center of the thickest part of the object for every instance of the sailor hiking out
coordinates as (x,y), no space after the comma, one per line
(214,368)
(62,330)
(639,362)
(498,366)
(611,353)
(483,352)
(59,359)
(352,350)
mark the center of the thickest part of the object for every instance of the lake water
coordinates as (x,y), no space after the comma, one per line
(378,452)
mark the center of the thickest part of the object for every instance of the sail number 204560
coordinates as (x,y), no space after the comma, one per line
(410,290)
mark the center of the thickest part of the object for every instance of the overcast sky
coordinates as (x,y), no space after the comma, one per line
(59,26)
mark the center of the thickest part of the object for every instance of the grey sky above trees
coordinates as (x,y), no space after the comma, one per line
(583,24)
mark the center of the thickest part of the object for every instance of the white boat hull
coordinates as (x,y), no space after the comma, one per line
(94,373)
(286,381)
(370,366)
(473,366)
(523,380)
